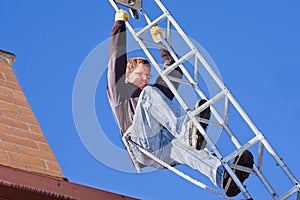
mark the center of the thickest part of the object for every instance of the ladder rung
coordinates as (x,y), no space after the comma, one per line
(241,168)
(209,102)
(250,143)
(177,80)
(159,45)
(210,122)
(154,22)
(290,192)
(178,62)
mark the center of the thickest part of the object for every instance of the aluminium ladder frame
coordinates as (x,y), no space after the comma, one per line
(258,138)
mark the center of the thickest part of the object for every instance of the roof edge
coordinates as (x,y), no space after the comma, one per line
(8,57)
(19,182)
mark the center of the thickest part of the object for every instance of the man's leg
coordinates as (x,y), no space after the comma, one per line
(158,111)
(162,128)
(201,160)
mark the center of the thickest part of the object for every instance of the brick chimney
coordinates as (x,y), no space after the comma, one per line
(22,142)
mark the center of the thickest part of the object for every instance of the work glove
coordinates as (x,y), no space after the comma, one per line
(121,15)
(155,30)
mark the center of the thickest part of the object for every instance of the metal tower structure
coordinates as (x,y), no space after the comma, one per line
(193,62)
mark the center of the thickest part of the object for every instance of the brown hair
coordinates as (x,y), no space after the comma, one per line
(132,63)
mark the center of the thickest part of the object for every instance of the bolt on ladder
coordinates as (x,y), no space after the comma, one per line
(223,95)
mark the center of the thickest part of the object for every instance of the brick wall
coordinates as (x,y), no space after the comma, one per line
(22,143)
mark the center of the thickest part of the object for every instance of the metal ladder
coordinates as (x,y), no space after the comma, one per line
(191,62)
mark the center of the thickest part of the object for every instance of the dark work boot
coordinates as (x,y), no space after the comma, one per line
(245,159)
(196,139)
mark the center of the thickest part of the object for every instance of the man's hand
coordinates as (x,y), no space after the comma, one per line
(121,15)
(155,30)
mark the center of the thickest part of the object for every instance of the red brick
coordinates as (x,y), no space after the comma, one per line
(19,117)
(13,123)
(5,91)
(8,146)
(9,107)
(44,147)
(45,171)
(37,153)
(11,78)
(53,166)
(3,155)
(27,111)
(18,140)
(18,95)
(35,129)
(13,164)
(4,129)
(14,101)
(2,77)
(24,159)
(10,85)
(5,68)
(26,134)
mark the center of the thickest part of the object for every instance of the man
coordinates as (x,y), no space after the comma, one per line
(157,124)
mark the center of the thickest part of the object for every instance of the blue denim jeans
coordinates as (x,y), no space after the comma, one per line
(162,128)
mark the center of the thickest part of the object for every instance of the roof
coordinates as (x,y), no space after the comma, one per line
(18,184)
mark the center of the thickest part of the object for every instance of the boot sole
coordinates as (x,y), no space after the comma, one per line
(246,160)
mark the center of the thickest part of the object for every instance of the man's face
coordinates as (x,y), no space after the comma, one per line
(140,76)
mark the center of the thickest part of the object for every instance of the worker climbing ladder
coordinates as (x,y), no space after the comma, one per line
(192,61)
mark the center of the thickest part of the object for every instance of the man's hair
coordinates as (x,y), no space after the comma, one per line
(132,64)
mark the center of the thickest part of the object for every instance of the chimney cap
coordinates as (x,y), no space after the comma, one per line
(8,57)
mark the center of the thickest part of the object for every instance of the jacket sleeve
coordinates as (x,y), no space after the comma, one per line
(177,73)
(117,62)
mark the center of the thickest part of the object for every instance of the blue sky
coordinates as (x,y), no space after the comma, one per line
(255,45)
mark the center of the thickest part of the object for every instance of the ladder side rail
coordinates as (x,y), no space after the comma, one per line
(226,111)
(169,26)
(196,68)
(280,162)
(114,5)
(260,156)
(264,141)
(125,139)
(244,115)
(265,182)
